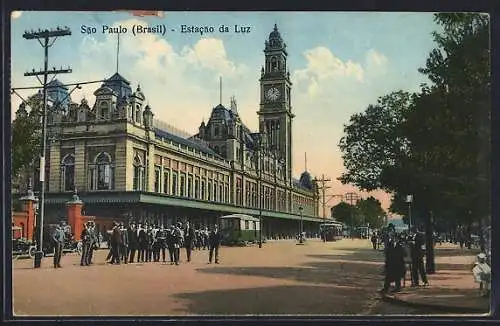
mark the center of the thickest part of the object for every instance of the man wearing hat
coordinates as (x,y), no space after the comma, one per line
(149,247)
(116,240)
(133,243)
(189,238)
(124,243)
(86,243)
(170,232)
(143,243)
(214,239)
(58,238)
(94,241)
(178,241)
(482,274)
(417,258)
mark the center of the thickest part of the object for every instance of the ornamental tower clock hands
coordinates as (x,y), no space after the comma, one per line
(273,94)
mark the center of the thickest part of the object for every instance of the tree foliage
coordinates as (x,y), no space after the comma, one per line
(372,141)
(343,212)
(26,136)
(371,212)
(434,144)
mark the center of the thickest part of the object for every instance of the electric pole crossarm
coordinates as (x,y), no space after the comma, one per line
(31,35)
(70,84)
(49,72)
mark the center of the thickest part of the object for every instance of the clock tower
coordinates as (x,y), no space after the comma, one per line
(275,113)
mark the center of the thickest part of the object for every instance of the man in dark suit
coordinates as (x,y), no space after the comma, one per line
(94,241)
(417,258)
(124,243)
(58,238)
(171,243)
(189,238)
(86,242)
(133,243)
(178,241)
(143,243)
(214,239)
(116,242)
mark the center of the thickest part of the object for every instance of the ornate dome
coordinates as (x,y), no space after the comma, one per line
(306,180)
(138,93)
(275,34)
(275,40)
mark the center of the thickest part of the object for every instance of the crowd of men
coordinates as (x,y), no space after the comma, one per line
(402,252)
(138,243)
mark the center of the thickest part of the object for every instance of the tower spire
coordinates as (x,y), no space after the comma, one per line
(118,53)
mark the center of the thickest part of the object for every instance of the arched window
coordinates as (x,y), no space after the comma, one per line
(274,64)
(138,182)
(138,113)
(68,172)
(102,172)
(104,110)
(130,115)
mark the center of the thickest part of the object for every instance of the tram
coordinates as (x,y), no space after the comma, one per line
(239,229)
(331,231)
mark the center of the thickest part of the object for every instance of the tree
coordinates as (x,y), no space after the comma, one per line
(373,143)
(371,211)
(343,212)
(26,136)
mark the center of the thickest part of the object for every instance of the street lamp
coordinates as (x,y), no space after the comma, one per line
(301,234)
(409,199)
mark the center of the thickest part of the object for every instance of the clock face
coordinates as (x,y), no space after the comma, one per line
(273,94)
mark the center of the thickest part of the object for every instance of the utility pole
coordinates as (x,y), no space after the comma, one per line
(323,188)
(352,198)
(43,37)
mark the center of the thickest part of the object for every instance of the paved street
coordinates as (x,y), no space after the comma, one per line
(281,278)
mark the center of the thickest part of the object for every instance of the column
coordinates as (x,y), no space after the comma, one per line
(28,202)
(74,215)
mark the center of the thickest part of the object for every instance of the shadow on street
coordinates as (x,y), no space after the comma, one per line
(275,300)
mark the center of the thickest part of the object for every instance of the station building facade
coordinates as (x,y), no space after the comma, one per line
(125,164)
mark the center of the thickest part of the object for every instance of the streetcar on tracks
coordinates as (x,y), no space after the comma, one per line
(331,231)
(239,229)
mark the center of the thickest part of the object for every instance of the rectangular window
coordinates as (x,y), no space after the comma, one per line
(221,192)
(202,194)
(247,225)
(209,193)
(157,179)
(166,184)
(226,193)
(196,188)
(215,191)
(190,187)
(174,184)
(182,185)
(92,178)
(135,184)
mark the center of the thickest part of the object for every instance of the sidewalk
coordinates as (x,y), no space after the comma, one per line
(451,289)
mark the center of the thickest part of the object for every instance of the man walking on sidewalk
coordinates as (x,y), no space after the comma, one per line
(213,244)
(417,258)
(58,238)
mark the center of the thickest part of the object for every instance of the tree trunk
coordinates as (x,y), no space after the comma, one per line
(429,243)
(482,243)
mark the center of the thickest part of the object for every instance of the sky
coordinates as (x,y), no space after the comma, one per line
(340,62)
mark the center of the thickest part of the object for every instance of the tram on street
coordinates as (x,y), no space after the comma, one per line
(239,229)
(331,231)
